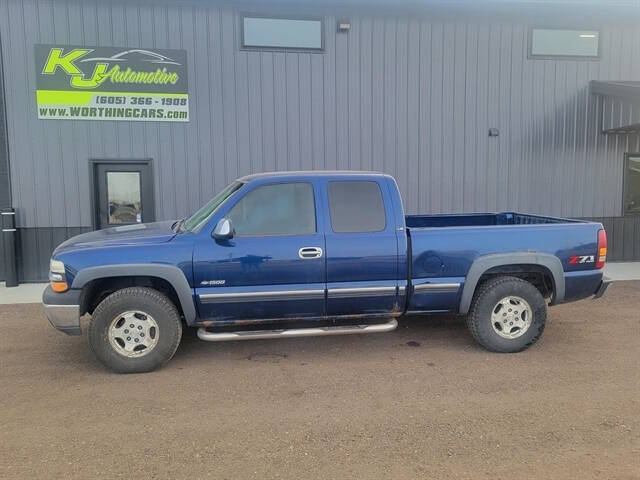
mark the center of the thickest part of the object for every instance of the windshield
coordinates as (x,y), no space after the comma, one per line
(196,220)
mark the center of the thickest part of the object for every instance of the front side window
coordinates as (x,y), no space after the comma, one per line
(282,33)
(278,209)
(356,207)
(550,43)
(632,186)
(195,221)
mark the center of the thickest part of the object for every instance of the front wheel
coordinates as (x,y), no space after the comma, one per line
(507,315)
(135,330)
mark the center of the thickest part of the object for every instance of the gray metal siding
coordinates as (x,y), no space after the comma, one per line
(5,187)
(619,113)
(623,237)
(412,96)
(5,193)
(34,247)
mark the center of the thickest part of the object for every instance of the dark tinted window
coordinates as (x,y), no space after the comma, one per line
(279,209)
(356,207)
(196,220)
(632,186)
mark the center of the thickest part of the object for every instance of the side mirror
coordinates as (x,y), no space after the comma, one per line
(224,230)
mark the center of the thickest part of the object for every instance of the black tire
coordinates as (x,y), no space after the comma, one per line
(485,300)
(150,302)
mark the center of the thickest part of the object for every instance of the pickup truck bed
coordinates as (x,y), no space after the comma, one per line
(444,249)
(292,254)
(481,220)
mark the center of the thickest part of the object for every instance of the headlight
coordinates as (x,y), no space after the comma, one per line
(56,266)
(57,276)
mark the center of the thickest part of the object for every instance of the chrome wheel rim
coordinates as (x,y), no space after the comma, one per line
(511,317)
(133,333)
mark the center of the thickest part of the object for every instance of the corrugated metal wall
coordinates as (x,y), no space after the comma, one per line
(5,194)
(413,96)
(620,113)
(623,238)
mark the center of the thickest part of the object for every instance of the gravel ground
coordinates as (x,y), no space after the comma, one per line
(421,402)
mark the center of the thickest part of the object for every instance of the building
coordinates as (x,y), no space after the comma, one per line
(117,111)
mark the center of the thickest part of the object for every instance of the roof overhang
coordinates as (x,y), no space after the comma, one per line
(620,105)
(550,13)
(623,89)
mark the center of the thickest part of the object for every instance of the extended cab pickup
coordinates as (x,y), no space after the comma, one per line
(316,253)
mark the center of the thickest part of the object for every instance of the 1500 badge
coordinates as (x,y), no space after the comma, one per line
(577,259)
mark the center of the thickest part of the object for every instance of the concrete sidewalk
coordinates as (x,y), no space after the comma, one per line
(619,271)
(32,292)
(23,293)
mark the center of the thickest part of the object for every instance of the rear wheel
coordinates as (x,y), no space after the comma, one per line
(135,330)
(507,315)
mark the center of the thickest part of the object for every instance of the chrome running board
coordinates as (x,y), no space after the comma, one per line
(203,334)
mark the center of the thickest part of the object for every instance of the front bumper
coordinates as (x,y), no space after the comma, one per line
(603,287)
(63,310)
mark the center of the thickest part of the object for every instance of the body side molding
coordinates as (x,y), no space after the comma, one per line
(436,287)
(482,264)
(261,296)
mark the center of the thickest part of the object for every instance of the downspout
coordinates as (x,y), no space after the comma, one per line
(8,213)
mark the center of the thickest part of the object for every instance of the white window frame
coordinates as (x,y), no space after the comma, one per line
(531,56)
(242,16)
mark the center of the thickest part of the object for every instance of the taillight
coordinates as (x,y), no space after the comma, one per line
(602,249)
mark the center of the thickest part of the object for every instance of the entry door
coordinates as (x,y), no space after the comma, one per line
(123,194)
(362,249)
(273,267)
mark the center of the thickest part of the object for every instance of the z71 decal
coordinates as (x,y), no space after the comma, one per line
(576,259)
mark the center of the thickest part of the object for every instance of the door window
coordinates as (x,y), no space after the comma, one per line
(356,206)
(123,195)
(278,209)
(632,186)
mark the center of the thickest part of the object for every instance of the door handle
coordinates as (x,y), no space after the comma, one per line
(310,252)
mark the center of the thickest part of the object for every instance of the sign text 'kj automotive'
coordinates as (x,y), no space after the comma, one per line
(106,83)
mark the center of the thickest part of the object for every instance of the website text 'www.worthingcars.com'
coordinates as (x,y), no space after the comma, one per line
(112,113)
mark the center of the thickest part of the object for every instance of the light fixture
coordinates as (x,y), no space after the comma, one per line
(344,25)
(587,35)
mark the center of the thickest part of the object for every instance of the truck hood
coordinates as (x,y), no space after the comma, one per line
(137,234)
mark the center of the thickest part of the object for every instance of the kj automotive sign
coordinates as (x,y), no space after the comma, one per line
(100,83)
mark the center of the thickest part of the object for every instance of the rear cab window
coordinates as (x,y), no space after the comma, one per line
(356,206)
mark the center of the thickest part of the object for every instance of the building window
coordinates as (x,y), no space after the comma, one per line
(282,33)
(553,43)
(632,185)
(356,207)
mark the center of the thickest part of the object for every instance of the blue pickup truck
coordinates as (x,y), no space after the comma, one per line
(291,254)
